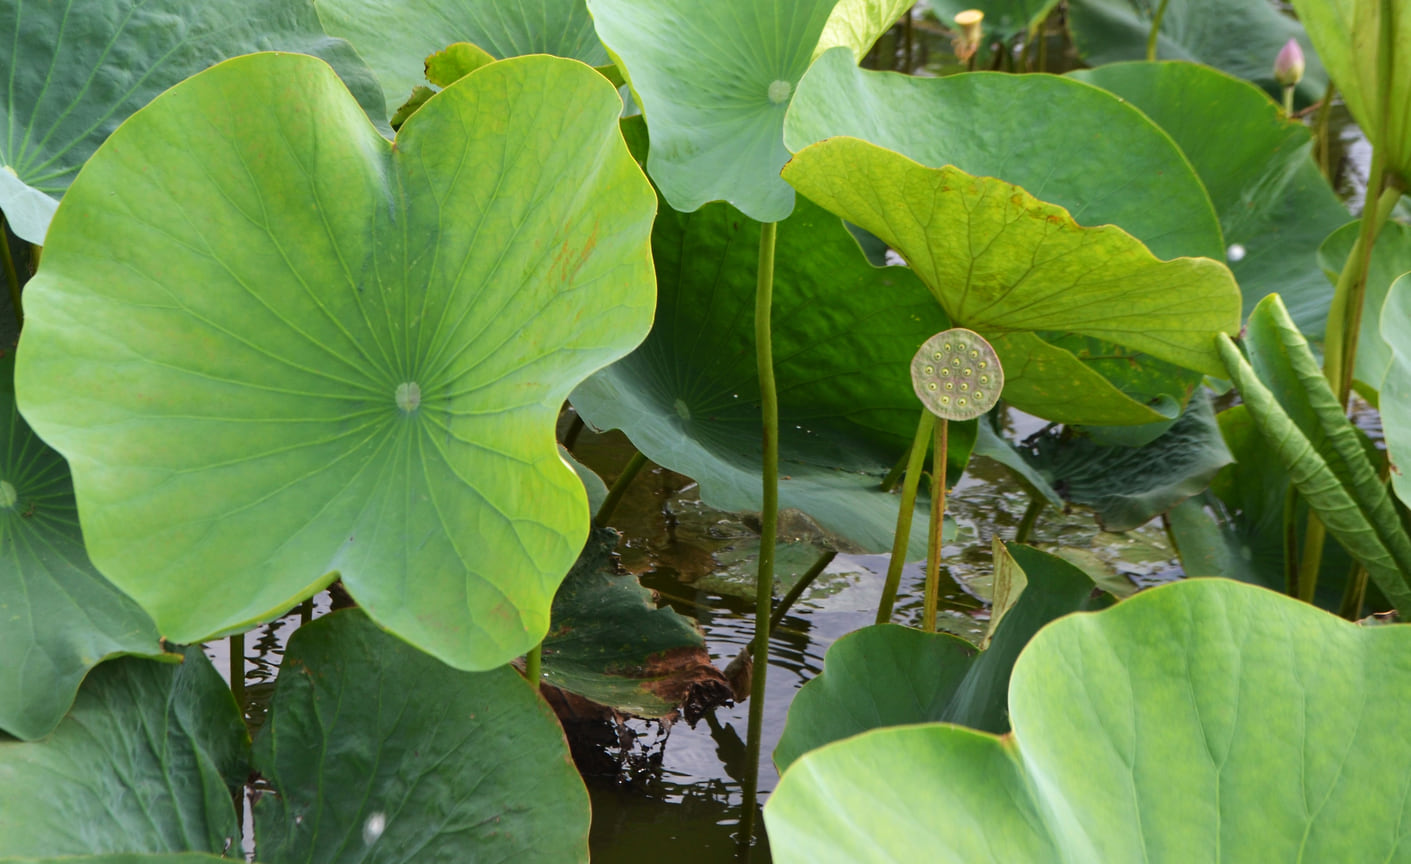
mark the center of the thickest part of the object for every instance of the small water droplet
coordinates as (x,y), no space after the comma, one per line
(8,496)
(374,826)
(1236,252)
(779,91)
(682,410)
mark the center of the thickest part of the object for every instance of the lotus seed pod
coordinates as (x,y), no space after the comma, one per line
(957,375)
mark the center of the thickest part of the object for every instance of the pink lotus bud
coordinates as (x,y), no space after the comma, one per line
(1288,66)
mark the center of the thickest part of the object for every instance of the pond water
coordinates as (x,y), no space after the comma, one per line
(676,791)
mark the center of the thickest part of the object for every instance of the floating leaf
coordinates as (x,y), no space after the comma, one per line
(396,36)
(1240,37)
(61,616)
(957,375)
(145,762)
(888,675)
(271,358)
(1008,266)
(1142,733)
(372,745)
(77,70)
(1275,207)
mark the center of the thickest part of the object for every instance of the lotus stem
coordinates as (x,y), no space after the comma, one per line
(1320,132)
(889,483)
(575,428)
(1355,594)
(534,664)
(1155,32)
(11,277)
(1291,541)
(938,515)
(619,488)
(915,463)
(768,521)
(237,670)
(1345,314)
(1288,101)
(1030,517)
(801,586)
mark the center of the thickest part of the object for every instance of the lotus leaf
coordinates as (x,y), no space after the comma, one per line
(1241,37)
(276,349)
(844,335)
(1274,205)
(1346,34)
(888,675)
(379,752)
(144,763)
(77,70)
(1396,387)
(714,80)
(1158,730)
(1391,257)
(396,36)
(61,616)
(1009,266)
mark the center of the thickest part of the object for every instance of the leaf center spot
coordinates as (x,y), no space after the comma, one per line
(779,92)
(8,495)
(681,410)
(408,396)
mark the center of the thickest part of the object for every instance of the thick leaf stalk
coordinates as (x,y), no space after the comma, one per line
(915,464)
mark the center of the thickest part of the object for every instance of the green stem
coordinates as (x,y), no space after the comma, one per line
(1288,101)
(906,45)
(889,483)
(1031,516)
(237,670)
(575,428)
(1320,132)
(1155,31)
(1355,594)
(768,521)
(11,277)
(533,664)
(1314,535)
(1345,314)
(801,586)
(619,488)
(938,517)
(1043,48)
(915,463)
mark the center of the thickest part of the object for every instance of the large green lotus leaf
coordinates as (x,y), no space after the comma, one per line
(1346,34)
(844,336)
(396,36)
(888,675)
(169,858)
(61,618)
(1204,720)
(145,762)
(714,80)
(1128,486)
(610,643)
(1396,386)
(276,349)
(378,752)
(1007,265)
(1391,257)
(1009,127)
(1241,37)
(75,70)
(1275,207)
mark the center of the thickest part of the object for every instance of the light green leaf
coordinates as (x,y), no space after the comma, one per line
(1346,34)
(145,762)
(888,675)
(1001,262)
(1240,37)
(396,36)
(856,24)
(456,61)
(61,617)
(379,752)
(1275,207)
(77,70)
(1391,257)
(271,358)
(611,644)
(1065,142)
(844,335)
(1159,730)
(1396,387)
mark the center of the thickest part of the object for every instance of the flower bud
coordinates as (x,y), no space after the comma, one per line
(1288,66)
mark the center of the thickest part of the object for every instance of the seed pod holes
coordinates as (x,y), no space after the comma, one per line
(957,375)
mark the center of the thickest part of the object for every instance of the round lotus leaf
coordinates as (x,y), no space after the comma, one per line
(277,349)
(957,374)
